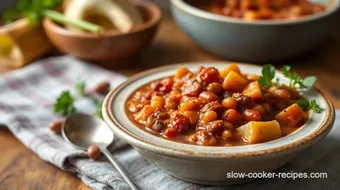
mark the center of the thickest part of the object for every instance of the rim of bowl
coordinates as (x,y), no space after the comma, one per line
(186,7)
(139,142)
(148,6)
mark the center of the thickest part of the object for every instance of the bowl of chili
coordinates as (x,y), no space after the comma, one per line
(241,31)
(218,117)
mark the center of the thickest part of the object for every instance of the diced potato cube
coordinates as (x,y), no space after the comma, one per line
(145,113)
(251,15)
(231,67)
(157,102)
(253,90)
(192,115)
(234,82)
(187,106)
(181,72)
(259,131)
(291,116)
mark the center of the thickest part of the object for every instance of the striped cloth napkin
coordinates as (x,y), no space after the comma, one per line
(27,97)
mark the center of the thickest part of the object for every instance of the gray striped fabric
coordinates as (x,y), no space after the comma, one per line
(26,103)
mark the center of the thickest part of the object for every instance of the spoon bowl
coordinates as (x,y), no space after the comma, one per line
(82,130)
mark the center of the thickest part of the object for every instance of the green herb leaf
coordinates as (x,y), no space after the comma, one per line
(278,83)
(268,74)
(286,70)
(308,82)
(81,88)
(99,105)
(288,74)
(64,105)
(296,81)
(304,104)
(315,107)
(33,17)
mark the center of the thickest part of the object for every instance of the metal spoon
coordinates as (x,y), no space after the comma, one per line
(83,130)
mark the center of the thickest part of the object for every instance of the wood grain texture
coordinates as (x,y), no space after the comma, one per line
(21,169)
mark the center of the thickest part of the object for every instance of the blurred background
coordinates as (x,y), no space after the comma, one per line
(6,3)
(191,38)
(176,37)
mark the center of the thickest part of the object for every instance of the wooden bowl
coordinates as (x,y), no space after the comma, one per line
(110,49)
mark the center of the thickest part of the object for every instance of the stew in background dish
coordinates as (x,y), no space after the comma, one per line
(216,108)
(260,9)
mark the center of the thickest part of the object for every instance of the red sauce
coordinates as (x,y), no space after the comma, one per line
(209,108)
(260,9)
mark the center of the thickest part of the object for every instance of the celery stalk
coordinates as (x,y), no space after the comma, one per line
(84,25)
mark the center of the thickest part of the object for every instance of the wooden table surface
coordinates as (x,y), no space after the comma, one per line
(21,169)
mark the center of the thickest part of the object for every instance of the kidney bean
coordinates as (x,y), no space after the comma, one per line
(259,108)
(56,125)
(251,115)
(93,152)
(102,88)
(229,103)
(226,134)
(209,75)
(170,132)
(209,116)
(215,88)
(181,123)
(233,117)
(207,97)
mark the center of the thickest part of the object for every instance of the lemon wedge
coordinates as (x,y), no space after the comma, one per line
(6,45)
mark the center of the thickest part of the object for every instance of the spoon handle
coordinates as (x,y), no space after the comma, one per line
(120,170)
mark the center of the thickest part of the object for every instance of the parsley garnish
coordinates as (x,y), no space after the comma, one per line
(99,105)
(308,82)
(315,107)
(268,74)
(303,103)
(65,102)
(81,88)
(306,105)
(64,105)
(296,81)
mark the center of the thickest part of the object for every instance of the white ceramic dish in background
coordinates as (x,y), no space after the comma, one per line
(204,164)
(255,41)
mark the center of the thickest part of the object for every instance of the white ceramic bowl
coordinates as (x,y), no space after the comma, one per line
(204,164)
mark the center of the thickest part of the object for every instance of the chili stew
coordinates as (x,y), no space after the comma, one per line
(260,9)
(216,108)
